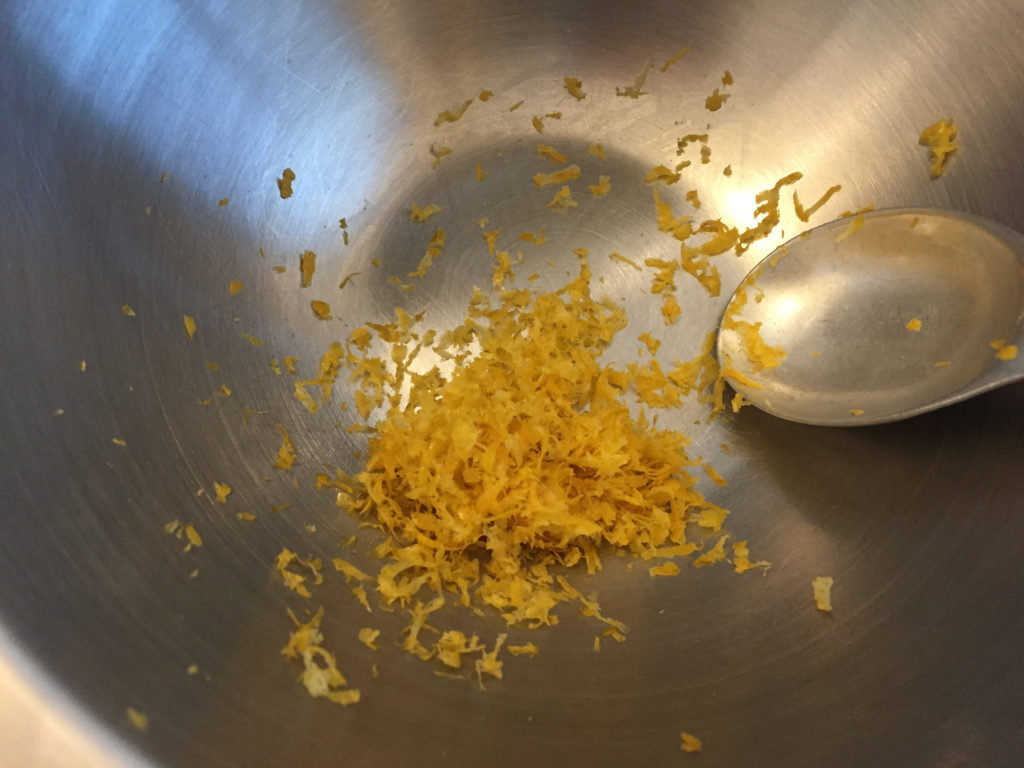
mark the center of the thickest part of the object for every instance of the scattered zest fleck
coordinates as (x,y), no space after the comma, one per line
(822,586)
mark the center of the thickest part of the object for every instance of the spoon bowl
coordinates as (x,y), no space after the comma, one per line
(878,318)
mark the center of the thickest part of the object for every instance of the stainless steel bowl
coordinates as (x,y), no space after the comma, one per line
(920,523)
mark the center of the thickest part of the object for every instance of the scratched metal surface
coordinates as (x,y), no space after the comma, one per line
(920,523)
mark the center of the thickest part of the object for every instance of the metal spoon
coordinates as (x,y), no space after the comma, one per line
(878,318)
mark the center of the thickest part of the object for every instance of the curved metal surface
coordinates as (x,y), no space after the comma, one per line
(919,523)
(897,319)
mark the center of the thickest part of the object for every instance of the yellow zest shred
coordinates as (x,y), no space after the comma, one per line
(538,124)
(552,154)
(138,720)
(245,517)
(714,102)
(437,152)
(530,237)
(713,555)
(690,743)
(368,637)
(597,150)
(481,174)
(422,214)
(321,309)
(805,214)
(433,251)
(127,311)
(693,198)
(557,177)
(485,95)
(714,476)
(488,663)
(307,266)
(674,58)
(575,88)
(603,186)
(670,310)
(661,173)
(914,324)
(616,256)
(286,453)
(650,342)
(119,441)
(284,184)
(516,106)
(190,329)
(741,559)
(940,138)
(856,222)
(527,649)
(222,491)
(562,201)
(665,569)
(1007,352)
(452,115)
(293,580)
(635,91)
(822,586)
(320,674)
